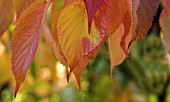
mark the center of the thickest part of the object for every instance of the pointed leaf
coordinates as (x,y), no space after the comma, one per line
(6,15)
(25,39)
(21,5)
(92,6)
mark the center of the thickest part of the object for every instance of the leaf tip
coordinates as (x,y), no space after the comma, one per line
(79,83)
(68,76)
(89,27)
(16,89)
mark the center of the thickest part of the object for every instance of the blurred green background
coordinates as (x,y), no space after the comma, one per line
(143,77)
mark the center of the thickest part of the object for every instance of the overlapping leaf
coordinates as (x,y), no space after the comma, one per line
(92,6)
(80,27)
(6,15)
(21,5)
(119,40)
(76,45)
(25,39)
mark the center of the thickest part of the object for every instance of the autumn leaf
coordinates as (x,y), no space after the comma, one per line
(25,39)
(165,24)
(167,7)
(21,5)
(92,6)
(76,46)
(119,42)
(72,37)
(6,15)
(145,15)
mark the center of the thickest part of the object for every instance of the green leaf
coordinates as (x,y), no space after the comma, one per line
(59,4)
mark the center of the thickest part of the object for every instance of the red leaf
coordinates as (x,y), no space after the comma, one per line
(21,5)
(92,6)
(25,39)
(6,15)
(167,7)
(145,15)
(165,24)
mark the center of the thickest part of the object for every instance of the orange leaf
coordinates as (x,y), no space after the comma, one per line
(167,7)
(117,12)
(25,39)
(117,54)
(6,15)
(165,24)
(21,5)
